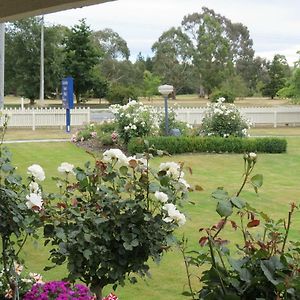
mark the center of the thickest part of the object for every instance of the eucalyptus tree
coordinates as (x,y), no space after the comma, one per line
(220,48)
(173,58)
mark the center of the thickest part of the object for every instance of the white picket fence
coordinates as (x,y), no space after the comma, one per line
(45,117)
(259,116)
(56,117)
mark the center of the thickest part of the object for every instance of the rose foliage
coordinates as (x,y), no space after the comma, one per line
(263,265)
(112,216)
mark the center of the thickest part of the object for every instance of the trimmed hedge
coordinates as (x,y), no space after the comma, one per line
(184,144)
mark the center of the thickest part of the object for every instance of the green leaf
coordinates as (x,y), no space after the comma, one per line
(257,181)
(7,168)
(135,243)
(48,230)
(245,275)
(124,170)
(220,194)
(80,176)
(238,202)
(224,208)
(127,246)
(87,253)
(60,233)
(153,187)
(269,267)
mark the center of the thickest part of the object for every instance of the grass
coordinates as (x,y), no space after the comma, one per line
(26,134)
(281,186)
(181,100)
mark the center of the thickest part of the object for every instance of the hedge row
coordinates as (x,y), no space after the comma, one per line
(184,144)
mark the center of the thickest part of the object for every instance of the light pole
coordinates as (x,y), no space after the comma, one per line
(165,90)
(2,51)
(42,100)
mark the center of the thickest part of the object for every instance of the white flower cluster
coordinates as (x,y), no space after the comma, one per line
(233,122)
(135,119)
(174,171)
(118,158)
(115,157)
(34,199)
(66,168)
(173,215)
(37,172)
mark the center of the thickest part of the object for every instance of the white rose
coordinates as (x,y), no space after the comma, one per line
(172,169)
(184,182)
(252,156)
(115,156)
(34,200)
(37,172)
(161,196)
(174,215)
(34,187)
(66,168)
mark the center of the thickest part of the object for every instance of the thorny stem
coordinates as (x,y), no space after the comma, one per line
(247,173)
(214,264)
(182,250)
(221,259)
(243,230)
(148,191)
(287,229)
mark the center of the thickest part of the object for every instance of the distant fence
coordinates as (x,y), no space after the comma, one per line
(45,117)
(56,117)
(274,116)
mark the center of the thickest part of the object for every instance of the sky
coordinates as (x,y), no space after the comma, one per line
(274,25)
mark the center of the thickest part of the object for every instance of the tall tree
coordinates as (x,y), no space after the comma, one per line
(81,56)
(112,44)
(218,46)
(278,72)
(173,58)
(114,65)
(151,83)
(23,41)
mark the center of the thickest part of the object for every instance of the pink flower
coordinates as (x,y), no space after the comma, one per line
(111,296)
(94,134)
(114,136)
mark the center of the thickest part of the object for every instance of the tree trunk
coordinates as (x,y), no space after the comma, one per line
(97,290)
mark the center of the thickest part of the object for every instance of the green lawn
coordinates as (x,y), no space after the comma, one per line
(281,186)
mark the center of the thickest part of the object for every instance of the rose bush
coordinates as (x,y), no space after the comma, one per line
(20,202)
(224,120)
(265,264)
(112,216)
(135,120)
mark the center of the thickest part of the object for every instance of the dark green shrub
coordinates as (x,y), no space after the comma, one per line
(227,95)
(185,144)
(106,127)
(120,94)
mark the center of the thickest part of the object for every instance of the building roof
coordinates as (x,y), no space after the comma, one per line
(11,10)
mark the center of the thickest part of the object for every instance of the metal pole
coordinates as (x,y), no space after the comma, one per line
(42,102)
(2,63)
(166,116)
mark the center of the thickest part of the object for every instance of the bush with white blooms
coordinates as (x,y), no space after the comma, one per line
(111,216)
(224,120)
(135,120)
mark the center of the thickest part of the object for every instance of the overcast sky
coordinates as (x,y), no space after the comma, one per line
(274,25)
